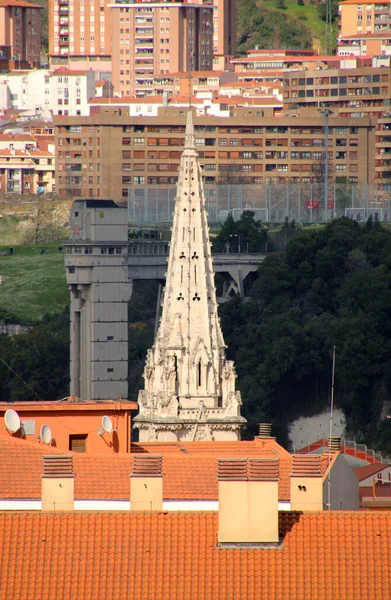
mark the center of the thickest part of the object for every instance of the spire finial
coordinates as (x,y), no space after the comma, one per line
(189,134)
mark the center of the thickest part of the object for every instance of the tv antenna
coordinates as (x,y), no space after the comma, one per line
(331,430)
(45,434)
(107,426)
(12,420)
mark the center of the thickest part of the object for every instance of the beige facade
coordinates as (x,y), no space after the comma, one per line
(359,17)
(224,27)
(58,493)
(146,492)
(102,155)
(248,512)
(80,34)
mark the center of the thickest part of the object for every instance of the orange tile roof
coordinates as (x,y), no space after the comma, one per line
(19,3)
(368,470)
(70,72)
(68,404)
(175,556)
(189,474)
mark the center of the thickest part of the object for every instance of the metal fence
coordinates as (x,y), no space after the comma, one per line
(271,203)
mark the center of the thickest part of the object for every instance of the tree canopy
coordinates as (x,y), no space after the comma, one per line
(331,287)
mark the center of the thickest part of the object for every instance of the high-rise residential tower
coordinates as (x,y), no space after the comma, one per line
(20,33)
(189,384)
(158,38)
(80,34)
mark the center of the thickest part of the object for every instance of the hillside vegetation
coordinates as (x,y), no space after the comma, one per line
(280,24)
(34,284)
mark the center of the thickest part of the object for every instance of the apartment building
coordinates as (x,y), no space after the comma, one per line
(25,166)
(80,34)
(281,59)
(159,38)
(365,28)
(20,33)
(28,89)
(96,154)
(211,104)
(356,92)
(224,28)
(71,90)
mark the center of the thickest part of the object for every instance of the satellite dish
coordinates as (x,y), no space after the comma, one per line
(12,421)
(107,424)
(45,434)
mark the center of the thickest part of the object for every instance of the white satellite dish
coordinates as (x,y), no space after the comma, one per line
(12,421)
(45,434)
(107,424)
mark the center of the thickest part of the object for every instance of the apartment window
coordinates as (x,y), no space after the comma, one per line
(126,141)
(139,179)
(139,141)
(78,443)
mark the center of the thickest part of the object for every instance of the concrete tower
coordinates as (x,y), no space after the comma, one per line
(189,385)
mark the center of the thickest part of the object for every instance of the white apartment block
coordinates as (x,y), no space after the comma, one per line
(28,90)
(71,91)
(48,93)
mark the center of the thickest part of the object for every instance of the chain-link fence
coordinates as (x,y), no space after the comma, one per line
(310,203)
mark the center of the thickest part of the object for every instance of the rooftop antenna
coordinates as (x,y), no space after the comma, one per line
(107,426)
(331,430)
(45,434)
(12,420)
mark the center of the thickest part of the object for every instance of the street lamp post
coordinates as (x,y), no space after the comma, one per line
(326,112)
(236,235)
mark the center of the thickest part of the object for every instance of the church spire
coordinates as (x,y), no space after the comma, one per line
(189,385)
(189,133)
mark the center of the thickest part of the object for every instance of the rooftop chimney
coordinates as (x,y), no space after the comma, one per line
(307,482)
(248,501)
(334,443)
(58,483)
(265,430)
(146,482)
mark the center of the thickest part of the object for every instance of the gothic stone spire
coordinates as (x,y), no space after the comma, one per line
(189,385)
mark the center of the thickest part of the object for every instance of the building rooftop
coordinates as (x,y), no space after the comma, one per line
(369,470)
(175,556)
(70,403)
(190,469)
(19,3)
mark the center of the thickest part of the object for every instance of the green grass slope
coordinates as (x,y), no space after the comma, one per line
(261,23)
(34,284)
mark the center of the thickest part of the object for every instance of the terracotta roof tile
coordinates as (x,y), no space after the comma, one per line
(175,556)
(190,469)
(368,470)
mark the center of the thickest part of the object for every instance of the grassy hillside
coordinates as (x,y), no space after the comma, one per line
(266,24)
(34,284)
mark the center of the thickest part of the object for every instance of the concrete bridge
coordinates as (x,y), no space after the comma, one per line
(147,259)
